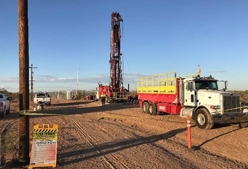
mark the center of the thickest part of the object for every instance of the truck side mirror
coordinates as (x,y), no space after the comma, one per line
(225,85)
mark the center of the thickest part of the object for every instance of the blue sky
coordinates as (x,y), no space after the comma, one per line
(158,36)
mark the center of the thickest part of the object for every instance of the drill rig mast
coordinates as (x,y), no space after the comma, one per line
(116,81)
(115,91)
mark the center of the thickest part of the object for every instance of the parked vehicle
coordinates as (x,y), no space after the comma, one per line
(4,105)
(42,97)
(112,95)
(197,97)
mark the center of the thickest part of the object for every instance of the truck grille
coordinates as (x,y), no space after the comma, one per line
(231,104)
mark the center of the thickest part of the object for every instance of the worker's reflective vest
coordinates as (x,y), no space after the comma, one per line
(103,95)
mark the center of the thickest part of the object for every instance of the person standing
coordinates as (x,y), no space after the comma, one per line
(103,98)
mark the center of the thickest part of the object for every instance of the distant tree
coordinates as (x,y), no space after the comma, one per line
(83,95)
(9,94)
(78,95)
(4,91)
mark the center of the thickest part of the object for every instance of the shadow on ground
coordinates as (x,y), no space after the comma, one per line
(107,148)
(72,110)
(209,140)
(72,103)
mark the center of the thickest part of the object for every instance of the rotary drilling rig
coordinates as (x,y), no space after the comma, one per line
(115,91)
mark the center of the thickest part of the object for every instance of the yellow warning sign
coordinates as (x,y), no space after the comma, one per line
(44,146)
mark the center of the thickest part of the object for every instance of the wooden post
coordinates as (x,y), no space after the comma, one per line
(23,81)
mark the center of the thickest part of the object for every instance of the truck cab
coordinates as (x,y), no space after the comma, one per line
(4,105)
(194,85)
(206,104)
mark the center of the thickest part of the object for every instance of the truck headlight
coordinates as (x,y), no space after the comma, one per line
(215,107)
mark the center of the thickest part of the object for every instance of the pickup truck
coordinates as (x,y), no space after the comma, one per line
(4,105)
(42,98)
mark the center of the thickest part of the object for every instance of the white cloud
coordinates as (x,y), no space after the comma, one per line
(50,83)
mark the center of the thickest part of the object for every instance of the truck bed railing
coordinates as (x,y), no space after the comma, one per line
(163,83)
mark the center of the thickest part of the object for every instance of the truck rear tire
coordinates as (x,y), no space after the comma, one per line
(152,109)
(145,107)
(240,125)
(203,119)
(8,111)
(3,113)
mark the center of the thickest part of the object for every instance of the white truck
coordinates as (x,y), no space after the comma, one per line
(4,105)
(42,98)
(197,97)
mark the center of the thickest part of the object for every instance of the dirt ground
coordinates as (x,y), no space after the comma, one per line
(121,136)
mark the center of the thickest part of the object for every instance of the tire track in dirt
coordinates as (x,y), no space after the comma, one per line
(107,159)
(170,145)
(136,133)
(180,144)
(221,160)
(137,144)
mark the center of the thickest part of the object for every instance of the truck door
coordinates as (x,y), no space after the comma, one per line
(190,94)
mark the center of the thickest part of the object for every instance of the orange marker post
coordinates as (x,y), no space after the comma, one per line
(189,132)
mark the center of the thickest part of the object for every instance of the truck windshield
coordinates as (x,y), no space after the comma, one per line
(42,95)
(205,84)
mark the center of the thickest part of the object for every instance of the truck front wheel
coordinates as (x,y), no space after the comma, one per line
(145,107)
(203,119)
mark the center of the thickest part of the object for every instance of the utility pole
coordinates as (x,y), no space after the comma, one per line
(23,81)
(32,81)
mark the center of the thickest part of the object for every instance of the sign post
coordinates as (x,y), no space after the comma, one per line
(44,146)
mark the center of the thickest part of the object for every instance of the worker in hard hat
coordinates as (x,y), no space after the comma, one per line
(103,98)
